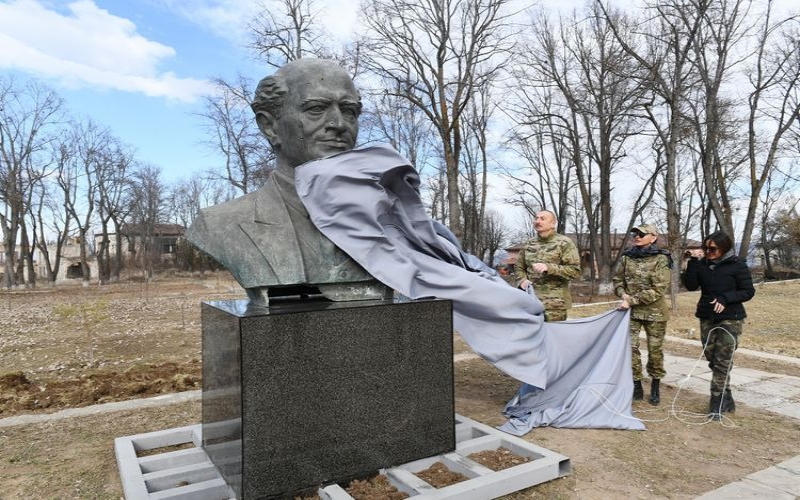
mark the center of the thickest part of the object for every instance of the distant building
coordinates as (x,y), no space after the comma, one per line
(162,239)
(70,268)
(164,245)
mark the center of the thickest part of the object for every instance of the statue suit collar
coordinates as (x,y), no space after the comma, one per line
(273,234)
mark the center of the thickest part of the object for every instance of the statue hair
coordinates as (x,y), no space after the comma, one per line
(271,90)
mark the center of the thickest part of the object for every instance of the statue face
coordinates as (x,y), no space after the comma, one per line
(319,118)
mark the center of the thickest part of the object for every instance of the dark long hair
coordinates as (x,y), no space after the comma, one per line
(722,240)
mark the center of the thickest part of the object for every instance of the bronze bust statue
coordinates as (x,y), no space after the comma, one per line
(307,110)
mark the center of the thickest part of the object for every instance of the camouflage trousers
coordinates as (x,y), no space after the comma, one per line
(555,315)
(655,330)
(720,340)
(555,306)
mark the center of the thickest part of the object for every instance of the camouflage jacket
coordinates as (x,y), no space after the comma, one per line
(646,280)
(563,265)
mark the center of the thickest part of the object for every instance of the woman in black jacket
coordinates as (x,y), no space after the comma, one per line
(725,284)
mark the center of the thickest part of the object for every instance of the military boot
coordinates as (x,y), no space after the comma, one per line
(714,407)
(655,396)
(638,390)
(728,404)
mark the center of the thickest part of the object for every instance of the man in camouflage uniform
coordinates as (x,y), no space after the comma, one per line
(549,262)
(641,281)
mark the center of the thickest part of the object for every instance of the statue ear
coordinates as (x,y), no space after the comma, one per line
(266,123)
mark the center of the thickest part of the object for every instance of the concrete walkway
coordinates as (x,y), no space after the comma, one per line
(775,393)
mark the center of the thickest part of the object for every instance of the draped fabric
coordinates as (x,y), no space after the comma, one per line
(590,382)
(367,202)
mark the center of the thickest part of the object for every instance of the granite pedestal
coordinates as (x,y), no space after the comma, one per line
(304,394)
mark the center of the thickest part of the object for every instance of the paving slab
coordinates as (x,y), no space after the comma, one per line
(690,384)
(747,489)
(773,388)
(790,380)
(789,409)
(750,373)
(792,465)
(778,478)
(741,379)
(775,393)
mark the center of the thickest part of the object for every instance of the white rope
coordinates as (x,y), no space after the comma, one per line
(684,416)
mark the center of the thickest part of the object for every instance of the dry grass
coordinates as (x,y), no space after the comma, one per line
(74,458)
(771,325)
(73,336)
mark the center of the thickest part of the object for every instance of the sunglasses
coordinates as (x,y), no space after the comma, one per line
(639,234)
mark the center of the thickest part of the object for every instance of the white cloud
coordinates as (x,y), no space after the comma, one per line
(88,46)
(229,18)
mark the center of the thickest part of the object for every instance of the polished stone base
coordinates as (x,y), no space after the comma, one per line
(303,394)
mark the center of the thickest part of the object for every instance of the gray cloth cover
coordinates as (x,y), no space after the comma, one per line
(574,374)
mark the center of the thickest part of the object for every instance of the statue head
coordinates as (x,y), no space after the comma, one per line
(307,110)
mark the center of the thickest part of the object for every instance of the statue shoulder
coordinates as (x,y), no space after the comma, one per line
(213,225)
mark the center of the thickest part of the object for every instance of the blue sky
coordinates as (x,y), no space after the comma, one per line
(138,67)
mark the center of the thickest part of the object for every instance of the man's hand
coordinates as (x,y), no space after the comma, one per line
(540,267)
(626,302)
(523,285)
(718,306)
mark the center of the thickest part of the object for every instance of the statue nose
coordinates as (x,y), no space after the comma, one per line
(335,119)
(334,122)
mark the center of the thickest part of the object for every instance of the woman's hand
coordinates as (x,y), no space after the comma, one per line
(718,306)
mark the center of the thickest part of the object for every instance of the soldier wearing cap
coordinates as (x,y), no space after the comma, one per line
(549,262)
(641,281)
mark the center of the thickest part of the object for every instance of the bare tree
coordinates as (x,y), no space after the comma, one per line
(439,53)
(777,203)
(663,50)
(475,171)
(114,165)
(27,112)
(147,197)
(493,237)
(287,30)
(774,110)
(723,26)
(185,199)
(50,216)
(79,183)
(233,132)
(575,94)
(541,140)
(392,119)
(436,190)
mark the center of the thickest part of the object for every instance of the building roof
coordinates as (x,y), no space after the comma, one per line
(158,229)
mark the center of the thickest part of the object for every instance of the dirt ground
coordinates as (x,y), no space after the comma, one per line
(74,346)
